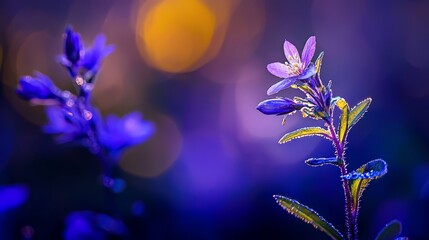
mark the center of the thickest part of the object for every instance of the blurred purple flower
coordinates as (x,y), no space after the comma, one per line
(12,196)
(119,133)
(73,46)
(73,117)
(39,87)
(80,60)
(93,56)
(82,225)
(62,122)
(278,106)
(295,68)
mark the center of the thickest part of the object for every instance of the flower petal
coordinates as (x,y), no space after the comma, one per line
(308,72)
(308,51)
(290,51)
(283,84)
(278,69)
(96,53)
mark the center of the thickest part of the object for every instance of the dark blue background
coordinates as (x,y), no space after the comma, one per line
(220,185)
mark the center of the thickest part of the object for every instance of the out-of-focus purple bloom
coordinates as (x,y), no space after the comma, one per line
(72,45)
(73,117)
(93,56)
(278,106)
(295,68)
(119,133)
(84,225)
(12,196)
(38,87)
(81,60)
(62,122)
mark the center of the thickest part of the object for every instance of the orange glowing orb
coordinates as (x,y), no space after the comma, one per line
(175,35)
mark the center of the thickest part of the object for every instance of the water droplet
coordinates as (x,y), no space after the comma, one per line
(87,115)
(79,81)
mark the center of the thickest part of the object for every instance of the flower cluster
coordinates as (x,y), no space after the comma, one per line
(72,116)
(300,73)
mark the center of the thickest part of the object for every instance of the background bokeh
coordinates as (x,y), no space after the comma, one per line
(197,69)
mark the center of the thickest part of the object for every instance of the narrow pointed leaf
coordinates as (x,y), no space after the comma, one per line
(358,111)
(362,176)
(316,162)
(344,119)
(305,132)
(319,62)
(391,231)
(308,215)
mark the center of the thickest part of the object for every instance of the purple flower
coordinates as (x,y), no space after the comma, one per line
(63,122)
(81,60)
(88,225)
(39,87)
(278,106)
(119,133)
(295,68)
(93,56)
(72,46)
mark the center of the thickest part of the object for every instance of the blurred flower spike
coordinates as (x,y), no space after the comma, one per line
(295,68)
(73,117)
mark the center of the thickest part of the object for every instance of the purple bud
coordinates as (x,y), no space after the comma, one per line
(72,45)
(278,106)
(39,87)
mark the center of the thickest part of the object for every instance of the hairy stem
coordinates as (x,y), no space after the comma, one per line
(350,216)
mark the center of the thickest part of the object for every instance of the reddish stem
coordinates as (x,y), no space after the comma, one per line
(350,216)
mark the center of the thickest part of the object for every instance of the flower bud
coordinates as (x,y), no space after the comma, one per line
(39,87)
(278,106)
(72,45)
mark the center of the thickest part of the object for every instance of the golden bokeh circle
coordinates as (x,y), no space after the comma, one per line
(175,35)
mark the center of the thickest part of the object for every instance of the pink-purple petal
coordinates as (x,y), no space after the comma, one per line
(283,84)
(308,51)
(308,72)
(290,50)
(278,69)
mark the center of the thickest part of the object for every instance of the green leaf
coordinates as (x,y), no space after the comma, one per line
(316,162)
(358,111)
(344,119)
(308,215)
(362,176)
(390,231)
(305,132)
